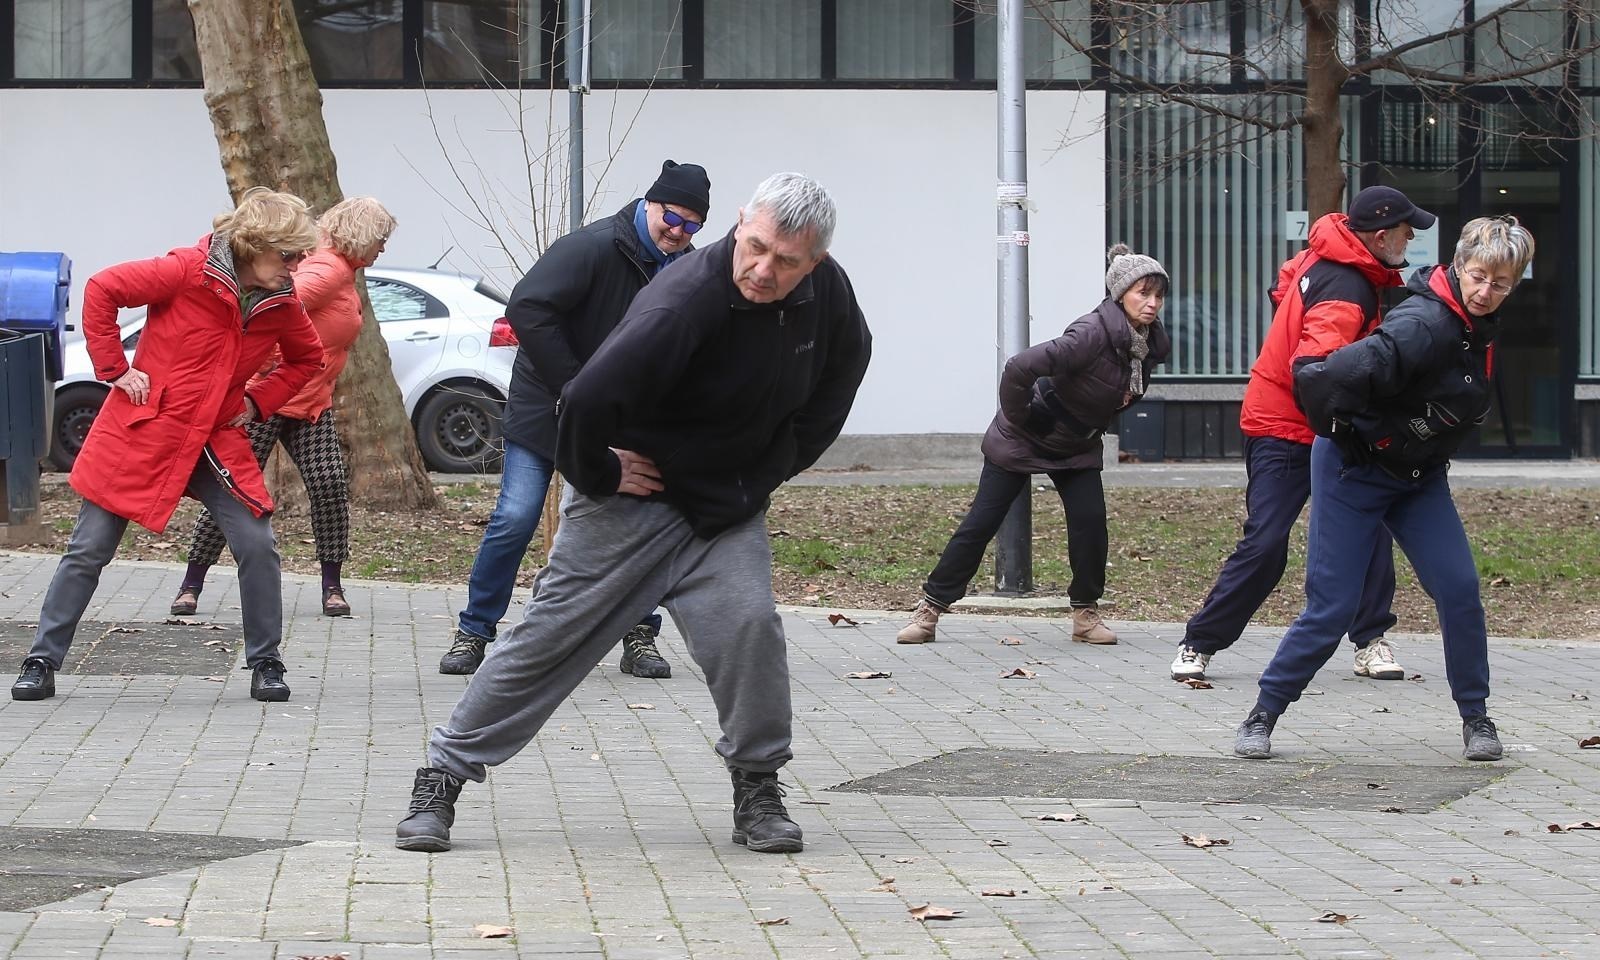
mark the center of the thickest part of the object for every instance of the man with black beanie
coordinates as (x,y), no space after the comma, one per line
(562,310)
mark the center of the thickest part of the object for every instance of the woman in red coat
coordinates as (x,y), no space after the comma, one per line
(174,422)
(353,233)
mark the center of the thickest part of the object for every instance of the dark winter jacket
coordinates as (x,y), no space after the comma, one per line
(1058,397)
(1326,297)
(562,310)
(729,398)
(1406,396)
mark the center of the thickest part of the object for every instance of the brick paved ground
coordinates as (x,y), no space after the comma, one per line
(609,837)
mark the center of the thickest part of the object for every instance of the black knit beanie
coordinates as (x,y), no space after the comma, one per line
(682,184)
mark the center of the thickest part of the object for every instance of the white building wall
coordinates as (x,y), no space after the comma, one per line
(112,175)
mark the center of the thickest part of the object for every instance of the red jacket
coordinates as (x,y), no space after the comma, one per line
(326,285)
(1326,297)
(137,460)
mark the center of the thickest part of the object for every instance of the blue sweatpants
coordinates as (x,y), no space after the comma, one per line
(1350,507)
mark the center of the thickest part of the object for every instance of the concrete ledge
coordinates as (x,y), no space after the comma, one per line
(912,451)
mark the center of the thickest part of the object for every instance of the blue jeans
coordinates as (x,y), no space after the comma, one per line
(1350,506)
(524,481)
(1280,481)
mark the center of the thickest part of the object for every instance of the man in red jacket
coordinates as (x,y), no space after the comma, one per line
(1326,297)
(173,423)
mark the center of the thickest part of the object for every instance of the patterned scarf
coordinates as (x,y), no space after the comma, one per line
(1138,348)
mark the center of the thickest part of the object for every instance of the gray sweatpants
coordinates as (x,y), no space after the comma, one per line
(94,542)
(613,559)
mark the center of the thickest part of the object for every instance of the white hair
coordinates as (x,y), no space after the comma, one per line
(797,205)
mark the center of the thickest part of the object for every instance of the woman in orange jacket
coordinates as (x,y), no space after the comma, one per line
(352,234)
(174,422)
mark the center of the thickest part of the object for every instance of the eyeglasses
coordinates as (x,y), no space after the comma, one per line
(1494,285)
(293,256)
(673,220)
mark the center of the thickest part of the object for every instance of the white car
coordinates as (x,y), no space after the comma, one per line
(449,344)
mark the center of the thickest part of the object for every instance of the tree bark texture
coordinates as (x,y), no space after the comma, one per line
(1323,121)
(267,113)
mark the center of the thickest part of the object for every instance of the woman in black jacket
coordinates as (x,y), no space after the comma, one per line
(1056,399)
(1389,411)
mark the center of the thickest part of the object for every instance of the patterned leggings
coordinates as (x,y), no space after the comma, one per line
(314,447)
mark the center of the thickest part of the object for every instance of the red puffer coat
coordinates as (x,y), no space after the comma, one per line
(137,460)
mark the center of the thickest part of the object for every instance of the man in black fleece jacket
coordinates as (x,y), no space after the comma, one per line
(732,372)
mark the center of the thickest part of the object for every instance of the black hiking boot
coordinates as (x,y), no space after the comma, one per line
(37,681)
(433,810)
(760,820)
(640,656)
(465,655)
(266,681)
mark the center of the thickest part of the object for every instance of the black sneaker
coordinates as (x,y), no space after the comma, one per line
(640,657)
(1480,737)
(37,681)
(266,681)
(1254,739)
(433,810)
(760,820)
(465,655)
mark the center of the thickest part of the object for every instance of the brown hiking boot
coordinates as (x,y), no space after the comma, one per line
(924,619)
(1087,627)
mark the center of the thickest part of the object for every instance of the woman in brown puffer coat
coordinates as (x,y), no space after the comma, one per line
(1056,399)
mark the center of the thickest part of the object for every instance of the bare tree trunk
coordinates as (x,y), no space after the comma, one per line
(1323,122)
(267,112)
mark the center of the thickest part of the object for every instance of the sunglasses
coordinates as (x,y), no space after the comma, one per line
(1500,288)
(673,220)
(293,256)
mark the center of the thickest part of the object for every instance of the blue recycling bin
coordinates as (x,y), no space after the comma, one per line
(33,299)
(33,316)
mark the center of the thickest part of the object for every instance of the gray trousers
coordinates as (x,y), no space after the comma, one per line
(94,542)
(613,559)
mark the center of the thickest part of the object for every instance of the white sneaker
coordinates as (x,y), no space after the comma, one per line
(1376,660)
(1191,664)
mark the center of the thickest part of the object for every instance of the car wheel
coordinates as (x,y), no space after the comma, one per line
(458,430)
(75,412)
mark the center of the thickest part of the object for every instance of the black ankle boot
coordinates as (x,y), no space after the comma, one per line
(760,820)
(37,681)
(640,656)
(266,681)
(433,811)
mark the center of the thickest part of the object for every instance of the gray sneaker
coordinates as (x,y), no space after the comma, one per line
(1254,740)
(1481,739)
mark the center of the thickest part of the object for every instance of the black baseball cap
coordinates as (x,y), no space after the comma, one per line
(1379,208)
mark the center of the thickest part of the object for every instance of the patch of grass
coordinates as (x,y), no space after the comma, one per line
(871,547)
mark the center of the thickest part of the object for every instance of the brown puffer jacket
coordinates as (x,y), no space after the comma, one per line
(1058,397)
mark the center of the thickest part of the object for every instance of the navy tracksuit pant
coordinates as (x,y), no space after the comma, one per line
(1279,484)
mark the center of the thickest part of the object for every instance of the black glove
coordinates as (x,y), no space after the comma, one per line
(1039,420)
(1356,451)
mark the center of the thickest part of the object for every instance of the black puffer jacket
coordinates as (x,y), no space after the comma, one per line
(1058,397)
(1408,395)
(562,310)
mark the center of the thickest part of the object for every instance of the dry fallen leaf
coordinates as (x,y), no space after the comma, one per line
(1331,917)
(774,922)
(1060,817)
(867,675)
(1513,833)
(490,931)
(928,912)
(1588,742)
(641,706)
(161,921)
(997,842)
(1580,696)
(1416,677)
(905,859)
(323,956)
(997,892)
(1580,825)
(1202,841)
(1391,809)
(1194,683)
(1011,641)
(838,618)
(1020,673)
(885,886)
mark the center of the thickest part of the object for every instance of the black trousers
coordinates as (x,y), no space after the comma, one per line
(1083,499)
